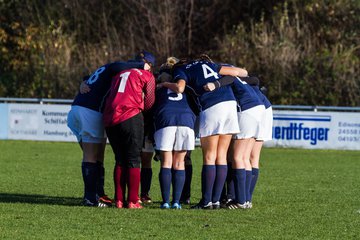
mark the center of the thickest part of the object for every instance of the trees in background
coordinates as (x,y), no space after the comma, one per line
(305,52)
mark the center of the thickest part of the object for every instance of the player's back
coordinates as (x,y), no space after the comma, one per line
(245,95)
(172,109)
(100,82)
(125,98)
(197,74)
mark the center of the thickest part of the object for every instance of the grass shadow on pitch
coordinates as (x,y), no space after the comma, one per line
(39,199)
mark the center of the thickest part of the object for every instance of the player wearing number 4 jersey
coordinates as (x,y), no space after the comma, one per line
(218,121)
(132,92)
(85,121)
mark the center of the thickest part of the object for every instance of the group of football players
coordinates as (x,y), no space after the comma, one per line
(139,114)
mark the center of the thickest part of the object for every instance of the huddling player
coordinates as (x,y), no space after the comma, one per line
(132,92)
(174,136)
(217,121)
(85,120)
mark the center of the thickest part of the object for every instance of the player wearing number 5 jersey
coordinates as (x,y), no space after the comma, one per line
(131,92)
(85,121)
(218,121)
(174,136)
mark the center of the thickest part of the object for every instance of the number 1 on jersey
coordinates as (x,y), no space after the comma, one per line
(124,77)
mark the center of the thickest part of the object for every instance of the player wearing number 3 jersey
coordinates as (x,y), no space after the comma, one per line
(174,136)
(131,92)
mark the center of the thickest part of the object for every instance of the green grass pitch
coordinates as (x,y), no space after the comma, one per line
(301,194)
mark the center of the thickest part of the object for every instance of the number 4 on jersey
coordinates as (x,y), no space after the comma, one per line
(208,72)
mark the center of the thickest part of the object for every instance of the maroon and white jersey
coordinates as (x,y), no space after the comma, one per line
(132,91)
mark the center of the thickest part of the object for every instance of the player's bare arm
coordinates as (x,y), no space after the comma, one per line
(177,87)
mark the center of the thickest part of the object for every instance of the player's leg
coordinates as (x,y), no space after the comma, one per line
(146,173)
(208,173)
(249,124)
(178,177)
(255,159)
(230,195)
(120,168)
(165,177)
(90,171)
(164,142)
(100,191)
(186,193)
(239,170)
(221,168)
(133,132)
(248,168)
(88,163)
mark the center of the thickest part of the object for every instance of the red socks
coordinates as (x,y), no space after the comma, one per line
(130,177)
(120,176)
(133,182)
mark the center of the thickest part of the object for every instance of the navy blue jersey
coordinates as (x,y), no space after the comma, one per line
(100,82)
(245,95)
(172,109)
(262,96)
(197,74)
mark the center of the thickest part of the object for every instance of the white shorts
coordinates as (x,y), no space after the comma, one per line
(266,133)
(219,119)
(147,146)
(174,138)
(86,124)
(250,122)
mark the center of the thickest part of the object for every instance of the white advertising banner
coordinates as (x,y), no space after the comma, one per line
(304,129)
(322,130)
(39,122)
(3,120)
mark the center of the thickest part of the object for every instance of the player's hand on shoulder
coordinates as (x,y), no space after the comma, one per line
(209,87)
(84,88)
(147,67)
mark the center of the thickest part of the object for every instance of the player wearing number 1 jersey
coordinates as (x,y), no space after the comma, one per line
(132,92)
(85,121)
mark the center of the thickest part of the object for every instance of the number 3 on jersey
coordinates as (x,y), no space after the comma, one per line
(178,97)
(124,77)
(208,72)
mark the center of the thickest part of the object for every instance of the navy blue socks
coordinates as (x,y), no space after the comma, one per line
(208,175)
(255,175)
(221,173)
(178,180)
(146,177)
(239,176)
(89,173)
(165,184)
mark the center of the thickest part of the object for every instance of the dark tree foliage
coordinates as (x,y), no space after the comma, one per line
(305,52)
